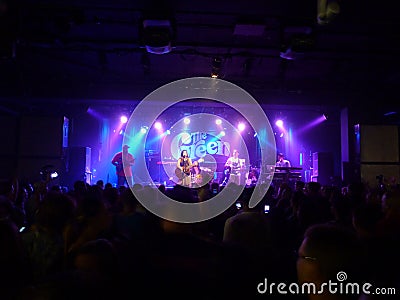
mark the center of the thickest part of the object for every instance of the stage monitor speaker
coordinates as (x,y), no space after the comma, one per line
(323,167)
(78,165)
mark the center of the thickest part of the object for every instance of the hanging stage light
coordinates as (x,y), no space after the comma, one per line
(216,65)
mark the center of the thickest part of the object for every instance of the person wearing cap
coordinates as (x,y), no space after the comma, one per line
(282,162)
(123,161)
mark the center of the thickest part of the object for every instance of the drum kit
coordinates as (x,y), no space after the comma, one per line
(203,177)
(250,175)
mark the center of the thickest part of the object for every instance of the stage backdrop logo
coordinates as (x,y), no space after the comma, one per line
(198,144)
(202,141)
(211,148)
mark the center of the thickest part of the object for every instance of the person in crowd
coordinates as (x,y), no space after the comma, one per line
(100,184)
(328,252)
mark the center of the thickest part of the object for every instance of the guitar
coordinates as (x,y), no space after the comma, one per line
(180,173)
(231,170)
(120,166)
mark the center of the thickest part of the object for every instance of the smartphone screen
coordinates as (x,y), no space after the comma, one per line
(266,209)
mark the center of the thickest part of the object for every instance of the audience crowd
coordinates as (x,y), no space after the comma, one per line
(99,242)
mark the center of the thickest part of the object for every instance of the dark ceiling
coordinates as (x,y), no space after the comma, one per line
(62,54)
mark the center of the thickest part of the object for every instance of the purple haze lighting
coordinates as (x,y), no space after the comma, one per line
(94,113)
(313,123)
(390,113)
(279,123)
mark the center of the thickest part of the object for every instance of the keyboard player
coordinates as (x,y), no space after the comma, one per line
(284,172)
(282,162)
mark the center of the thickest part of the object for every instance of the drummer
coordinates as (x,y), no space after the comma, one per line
(195,170)
(252,176)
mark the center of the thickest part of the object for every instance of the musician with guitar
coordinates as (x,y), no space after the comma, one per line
(233,168)
(183,167)
(123,161)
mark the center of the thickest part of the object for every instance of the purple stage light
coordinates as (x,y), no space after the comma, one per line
(241,126)
(279,123)
(313,123)
(123,119)
(158,125)
(94,113)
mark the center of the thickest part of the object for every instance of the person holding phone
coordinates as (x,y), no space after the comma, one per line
(249,228)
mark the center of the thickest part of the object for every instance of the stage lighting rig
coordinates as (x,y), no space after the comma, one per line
(157,36)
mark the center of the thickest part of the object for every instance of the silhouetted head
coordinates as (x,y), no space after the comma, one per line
(327,251)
